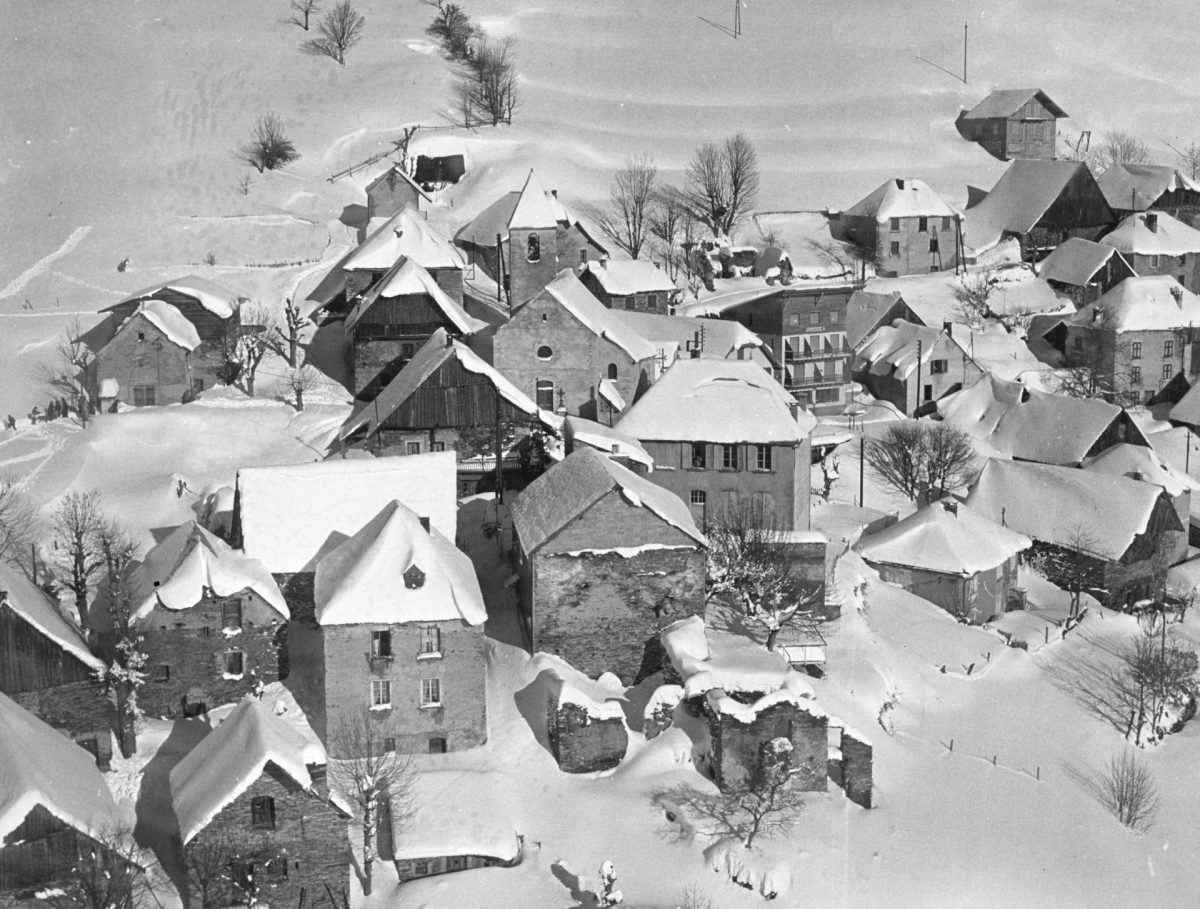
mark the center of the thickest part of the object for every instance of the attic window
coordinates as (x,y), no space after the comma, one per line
(141,336)
(231,614)
(545,352)
(612,372)
(262,812)
(534,248)
(414,578)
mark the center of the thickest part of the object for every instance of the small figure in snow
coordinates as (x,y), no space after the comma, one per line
(10,422)
(123,264)
(34,414)
(52,410)
(180,486)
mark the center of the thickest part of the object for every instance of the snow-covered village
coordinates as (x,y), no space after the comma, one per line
(671,456)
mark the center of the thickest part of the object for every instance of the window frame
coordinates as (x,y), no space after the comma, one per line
(763,458)
(533,248)
(1135,375)
(1135,350)
(412,448)
(699,453)
(381,694)
(431,694)
(241,662)
(429,644)
(145,396)
(229,604)
(1169,348)
(381,643)
(262,812)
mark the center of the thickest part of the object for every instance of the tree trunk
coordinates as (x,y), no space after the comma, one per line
(772,637)
(368,842)
(250,384)
(293,346)
(299,399)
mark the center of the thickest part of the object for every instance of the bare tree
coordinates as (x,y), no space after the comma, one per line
(109,873)
(302,12)
(247,344)
(284,338)
(1189,156)
(453,29)
(66,373)
(922,461)
(751,567)
(624,217)
(340,29)
(973,293)
(764,805)
(692,897)
(1117,147)
(851,257)
(126,673)
(18,526)
(487,88)
(722,183)
(300,380)
(1072,565)
(672,229)
(371,776)
(223,868)
(1126,787)
(79,558)
(269,148)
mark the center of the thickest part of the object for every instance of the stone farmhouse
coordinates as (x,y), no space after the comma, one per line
(1013,123)
(634,285)
(913,366)
(393,191)
(397,631)
(213,623)
(48,668)
(1154,243)
(1084,270)
(907,228)
(1144,187)
(606,559)
(728,440)
(254,791)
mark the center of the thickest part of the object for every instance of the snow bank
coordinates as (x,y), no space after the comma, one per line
(458,812)
(706,659)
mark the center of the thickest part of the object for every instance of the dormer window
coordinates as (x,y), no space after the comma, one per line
(414,578)
(141,336)
(534,248)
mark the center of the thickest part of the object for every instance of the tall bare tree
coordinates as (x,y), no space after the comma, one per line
(922,461)
(453,29)
(302,12)
(672,229)
(79,558)
(109,873)
(378,781)
(300,380)
(487,87)
(18,526)
(339,30)
(1117,147)
(625,216)
(284,335)
(722,183)
(66,373)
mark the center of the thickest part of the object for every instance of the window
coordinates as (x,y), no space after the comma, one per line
(939,367)
(533,248)
(894,249)
(583,257)
(412,448)
(652,302)
(414,578)
(545,352)
(1078,343)
(729,457)
(421,868)
(381,644)
(698,498)
(438,446)
(895,225)
(828,395)
(437,746)
(143,395)
(835,316)
(431,692)
(945,223)
(235,662)
(407,351)
(699,456)
(1154,261)
(161,674)
(612,372)
(262,812)
(197,386)
(928,392)
(231,613)
(814,318)
(545,394)
(922,225)
(1135,375)
(1168,348)
(762,457)
(381,693)
(431,639)
(1167,372)
(141,336)
(1135,350)
(933,243)
(389,744)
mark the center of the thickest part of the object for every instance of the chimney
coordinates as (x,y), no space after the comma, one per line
(1152,221)
(948,328)
(1177,293)
(900,184)
(616,449)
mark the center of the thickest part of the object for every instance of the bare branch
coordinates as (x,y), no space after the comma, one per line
(625,217)
(340,29)
(923,461)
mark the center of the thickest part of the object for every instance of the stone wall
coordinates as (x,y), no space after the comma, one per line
(582,743)
(737,746)
(527,278)
(155,361)
(857,774)
(82,710)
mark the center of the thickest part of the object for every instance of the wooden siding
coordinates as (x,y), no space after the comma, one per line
(210,327)
(30,661)
(40,851)
(402,316)
(452,397)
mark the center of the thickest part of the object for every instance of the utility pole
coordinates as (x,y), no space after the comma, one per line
(862,469)
(964,53)
(737,18)
(917,406)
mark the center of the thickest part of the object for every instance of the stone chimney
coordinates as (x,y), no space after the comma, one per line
(1152,221)
(900,183)
(604,260)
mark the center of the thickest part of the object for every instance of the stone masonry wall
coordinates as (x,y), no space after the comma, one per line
(737,746)
(583,744)
(857,774)
(81,709)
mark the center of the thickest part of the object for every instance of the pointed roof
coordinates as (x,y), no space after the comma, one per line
(723,338)
(190,561)
(41,766)
(1075,261)
(570,488)
(170,321)
(608,441)
(1187,409)
(396,172)
(32,604)
(947,537)
(1006,102)
(405,233)
(720,401)
(1150,303)
(216,299)
(901,198)
(893,348)
(1141,463)
(569,291)
(1167,237)
(368,578)
(533,207)
(623,277)
(1136,187)
(407,276)
(230,758)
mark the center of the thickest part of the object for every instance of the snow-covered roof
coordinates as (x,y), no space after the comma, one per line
(1150,303)
(170,321)
(946,537)
(569,488)
(41,766)
(396,172)
(1016,421)
(1075,261)
(893,349)
(213,297)
(601,698)
(901,198)
(407,276)
(707,659)
(722,337)
(533,208)
(1187,408)
(1152,233)
(405,233)
(231,757)
(291,515)
(1020,198)
(720,401)
(190,561)
(1135,187)
(795,691)
(623,277)
(607,389)
(458,812)
(1141,463)
(1006,102)
(1078,509)
(366,579)
(568,290)
(607,440)
(936,298)
(32,604)
(428,359)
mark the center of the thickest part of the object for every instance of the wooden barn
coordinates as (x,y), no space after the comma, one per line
(1084,270)
(393,191)
(1132,188)
(405,234)
(1013,123)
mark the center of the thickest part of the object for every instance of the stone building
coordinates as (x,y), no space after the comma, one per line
(48,668)
(913,366)
(635,285)
(1154,243)
(949,555)
(213,623)
(398,631)
(393,191)
(1084,270)
(585,722)
(727,438)
(1013,123)
(254,794)
(570,354)
(54,804)
(907,229)
(606,559)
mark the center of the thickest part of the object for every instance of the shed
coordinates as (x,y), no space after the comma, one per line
(1139,187)
(1013,123)
(1084,269)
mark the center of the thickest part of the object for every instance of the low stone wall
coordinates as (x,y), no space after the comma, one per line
(582,743)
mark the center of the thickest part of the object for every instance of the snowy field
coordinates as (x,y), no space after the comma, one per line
(119,125)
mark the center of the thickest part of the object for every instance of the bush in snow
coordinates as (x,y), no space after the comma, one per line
(108,874)
(269,148)
(1126,787)
(453,29)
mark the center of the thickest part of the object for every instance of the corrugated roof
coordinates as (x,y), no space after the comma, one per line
(1075,261)
(1006,102)
(595,316)
(913,199)
(1168,237)
(1150,303)
(1135,187)
(405,233)
(407,276)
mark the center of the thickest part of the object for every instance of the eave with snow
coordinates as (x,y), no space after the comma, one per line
(1013,123)
(908,227)
(1140,187)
